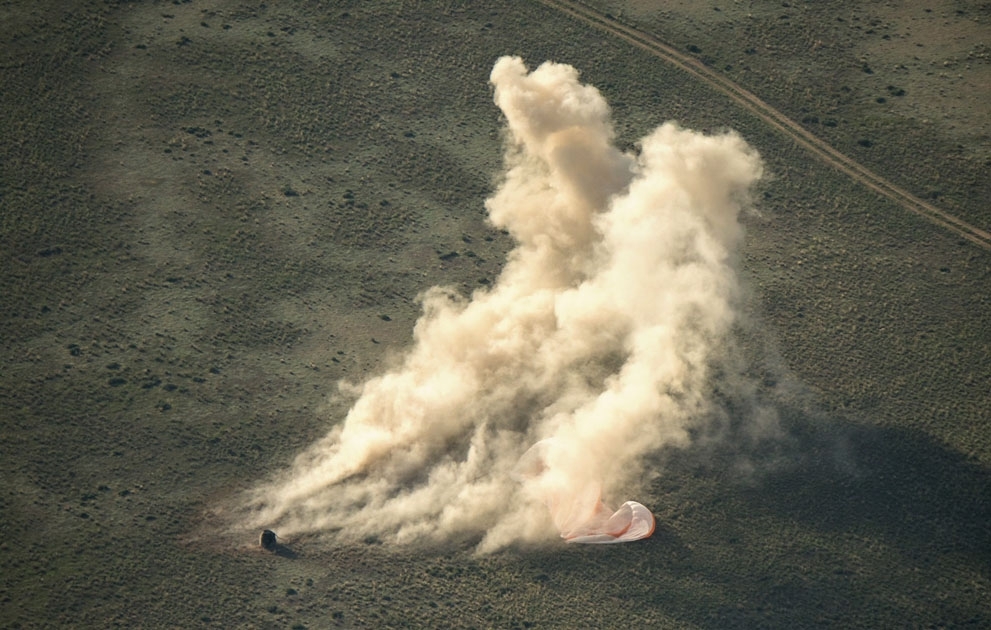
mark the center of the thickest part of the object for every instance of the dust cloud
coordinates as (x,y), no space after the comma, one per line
(598,338)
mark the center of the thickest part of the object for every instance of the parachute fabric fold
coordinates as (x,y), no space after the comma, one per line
(577,509)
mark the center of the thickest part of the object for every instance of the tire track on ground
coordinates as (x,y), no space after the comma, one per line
(774,118)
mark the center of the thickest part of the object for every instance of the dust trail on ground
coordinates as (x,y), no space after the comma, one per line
(601,333)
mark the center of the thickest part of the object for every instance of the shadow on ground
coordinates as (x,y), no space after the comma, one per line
(847,525)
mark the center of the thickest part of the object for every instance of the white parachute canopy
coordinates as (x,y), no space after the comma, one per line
(577,509)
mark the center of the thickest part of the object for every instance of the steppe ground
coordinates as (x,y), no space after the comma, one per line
(213,211)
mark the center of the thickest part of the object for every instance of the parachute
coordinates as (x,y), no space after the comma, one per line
(632,521)
(576,508)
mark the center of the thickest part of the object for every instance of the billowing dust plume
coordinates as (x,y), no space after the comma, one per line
(600,333)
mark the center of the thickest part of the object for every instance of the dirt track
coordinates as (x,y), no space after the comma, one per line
(774,118)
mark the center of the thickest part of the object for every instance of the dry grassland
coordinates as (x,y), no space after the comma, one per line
(212,211)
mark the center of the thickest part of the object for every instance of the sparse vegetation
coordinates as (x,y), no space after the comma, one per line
(208,213)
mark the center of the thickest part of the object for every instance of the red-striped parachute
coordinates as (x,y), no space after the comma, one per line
(577,509)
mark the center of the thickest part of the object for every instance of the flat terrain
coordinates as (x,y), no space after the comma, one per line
(213,211)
